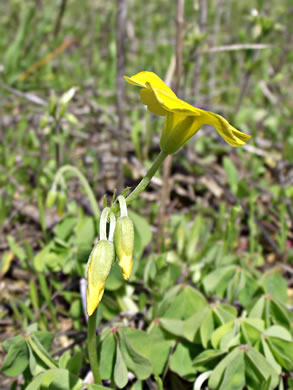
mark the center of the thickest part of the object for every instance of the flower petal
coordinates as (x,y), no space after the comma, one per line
(231,135)
(140,80)
(94,296)
(148,98)
(178,128)
(169,103)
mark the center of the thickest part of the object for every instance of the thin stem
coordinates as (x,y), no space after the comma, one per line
(84,182)
(92,347)
(123,207)
(145,180)
(112,226)
(103,223)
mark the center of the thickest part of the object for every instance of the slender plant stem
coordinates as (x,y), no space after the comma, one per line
(92,347)
(84,182)
(145,181)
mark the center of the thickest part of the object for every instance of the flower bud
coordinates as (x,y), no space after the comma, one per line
(61,202)
(51,198)
(52,104)
(99,266)
(124,242)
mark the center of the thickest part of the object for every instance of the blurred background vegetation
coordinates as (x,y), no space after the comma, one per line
(225,207)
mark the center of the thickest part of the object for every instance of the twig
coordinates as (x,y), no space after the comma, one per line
(215,37)
(46,59)
(120,87)
(28,96)
(245,46)
(165,193)
(197,56)
(60,17)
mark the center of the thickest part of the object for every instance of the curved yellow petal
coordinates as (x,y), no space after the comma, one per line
(126,263)
(231,135)
(94,296)
(142,78)
(169,103)
(147,97)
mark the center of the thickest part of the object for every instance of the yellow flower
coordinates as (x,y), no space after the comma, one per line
(182,120)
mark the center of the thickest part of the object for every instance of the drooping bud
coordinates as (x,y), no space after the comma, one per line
(99,266)
(52,105)
(124,242)
(51,198)
(61,202)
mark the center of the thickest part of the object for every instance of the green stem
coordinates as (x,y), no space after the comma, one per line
(92,347)
(75,171)
(144,182)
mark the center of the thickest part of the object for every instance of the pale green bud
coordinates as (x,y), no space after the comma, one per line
(61,202)
(51,198)
(124,242)
(64,101)
(99,266)
(52,104)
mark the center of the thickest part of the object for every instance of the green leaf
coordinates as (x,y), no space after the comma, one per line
(206,328)
(16,249)
(258,308)
(107,356)
(142,230)
(74,364)
(215,278)
(57,378)
(193,324)
(115,279)
(270,357)
(120,369)
(136,363)
(219,333)
(65,228)
(40,351)
(234,376)
(172,326)
(279,332)
(224,313)
(276,285)
(85,235)
(181,361)
(97,387)
(160,349)
(282,351)
(12,341)
(193,237)
(280,313)
(17,358)
(232,174)
(217,374)
(45,338)
(185,304)
(252,329)
(258,368)
(207,356)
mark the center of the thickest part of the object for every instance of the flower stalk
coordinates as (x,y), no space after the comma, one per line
(76,172)
(92,347)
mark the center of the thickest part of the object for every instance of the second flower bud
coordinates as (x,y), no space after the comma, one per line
(124,242)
